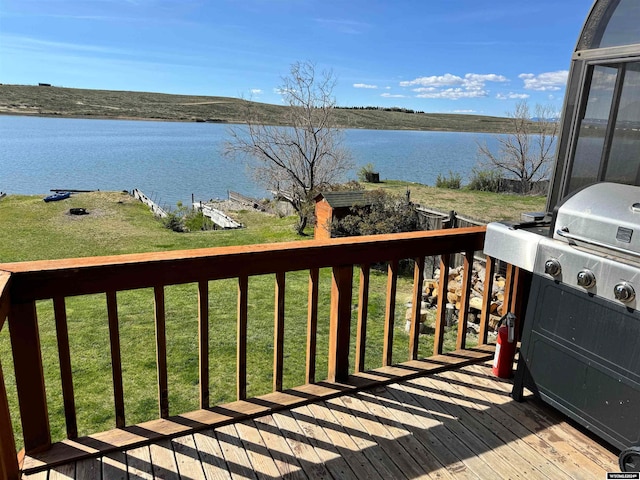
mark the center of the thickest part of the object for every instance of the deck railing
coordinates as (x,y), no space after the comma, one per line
(24,284)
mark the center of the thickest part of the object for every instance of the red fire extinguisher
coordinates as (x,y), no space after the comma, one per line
(505,347)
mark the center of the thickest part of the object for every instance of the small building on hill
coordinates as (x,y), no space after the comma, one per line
(331,206)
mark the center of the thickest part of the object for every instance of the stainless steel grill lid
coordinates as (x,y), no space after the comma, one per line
(604,215)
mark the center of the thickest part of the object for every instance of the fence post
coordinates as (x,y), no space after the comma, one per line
(340,323)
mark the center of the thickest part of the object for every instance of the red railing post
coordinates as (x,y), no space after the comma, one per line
(27,360)
(8,457)
(340,323)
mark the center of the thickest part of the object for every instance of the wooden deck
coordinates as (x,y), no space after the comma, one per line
(456,424)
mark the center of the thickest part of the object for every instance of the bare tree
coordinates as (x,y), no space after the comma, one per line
(527,152)
(307,156)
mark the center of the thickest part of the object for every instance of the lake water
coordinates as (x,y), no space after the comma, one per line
(170,161)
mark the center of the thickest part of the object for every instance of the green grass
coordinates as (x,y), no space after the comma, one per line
(116,224)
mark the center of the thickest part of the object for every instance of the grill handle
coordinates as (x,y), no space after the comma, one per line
(570,236)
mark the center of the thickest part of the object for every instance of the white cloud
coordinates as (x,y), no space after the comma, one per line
(453,87)
(434,81)
(424,89)
(282,91)
(512,96)
(463,111)
(391,95)
(364,85)
(545,82)
(256,91)
(454,94)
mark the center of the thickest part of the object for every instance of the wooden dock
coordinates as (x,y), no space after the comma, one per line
(458,424)
(156,209)
(216,216)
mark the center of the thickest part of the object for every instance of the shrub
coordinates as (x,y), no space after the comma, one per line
(485,180)
(453,181)
(368,174)
(175,221)
(384,214)
(184,219)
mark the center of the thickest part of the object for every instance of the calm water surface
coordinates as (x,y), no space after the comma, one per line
(170,161)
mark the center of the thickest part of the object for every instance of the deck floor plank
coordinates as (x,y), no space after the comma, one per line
(360,451)
(453,425)
(535,450)
(211,456)
(434,434)
(187,458)
(90,468)
(327,452)
(300,446)
(544,421)
(163,460)
(43,475)
(139,464)
(285,460)
(388,437)
(63,472)
(419,436)
(563,453)
(367,455)
(114,466)
(462,423)
(234,454)
(259,454)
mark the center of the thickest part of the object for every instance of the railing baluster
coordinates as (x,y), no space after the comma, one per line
(278,333)
(312,325)
(363,311)
(203,342)
(8,455)
(116,361)
(389,318)
(241,351)
(64,355)
(487,295)
(416,313)
(340,323)
(464,300)
(438,338)
(27,361)
(161,351)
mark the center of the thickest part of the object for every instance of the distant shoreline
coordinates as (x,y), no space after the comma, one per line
(61,102)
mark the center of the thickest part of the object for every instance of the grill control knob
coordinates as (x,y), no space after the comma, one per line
(624,292)
(586,278)
(552,267)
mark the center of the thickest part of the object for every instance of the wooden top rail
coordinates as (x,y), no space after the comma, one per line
(45,279)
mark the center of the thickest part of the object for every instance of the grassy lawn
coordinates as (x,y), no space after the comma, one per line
(117,224)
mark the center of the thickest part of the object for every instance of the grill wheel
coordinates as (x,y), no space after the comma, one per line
(629,459)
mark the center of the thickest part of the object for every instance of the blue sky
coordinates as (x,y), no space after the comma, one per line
(448,56)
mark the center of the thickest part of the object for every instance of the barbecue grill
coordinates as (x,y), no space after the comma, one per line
(579,349)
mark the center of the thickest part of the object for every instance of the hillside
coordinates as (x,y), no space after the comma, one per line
(83,103)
